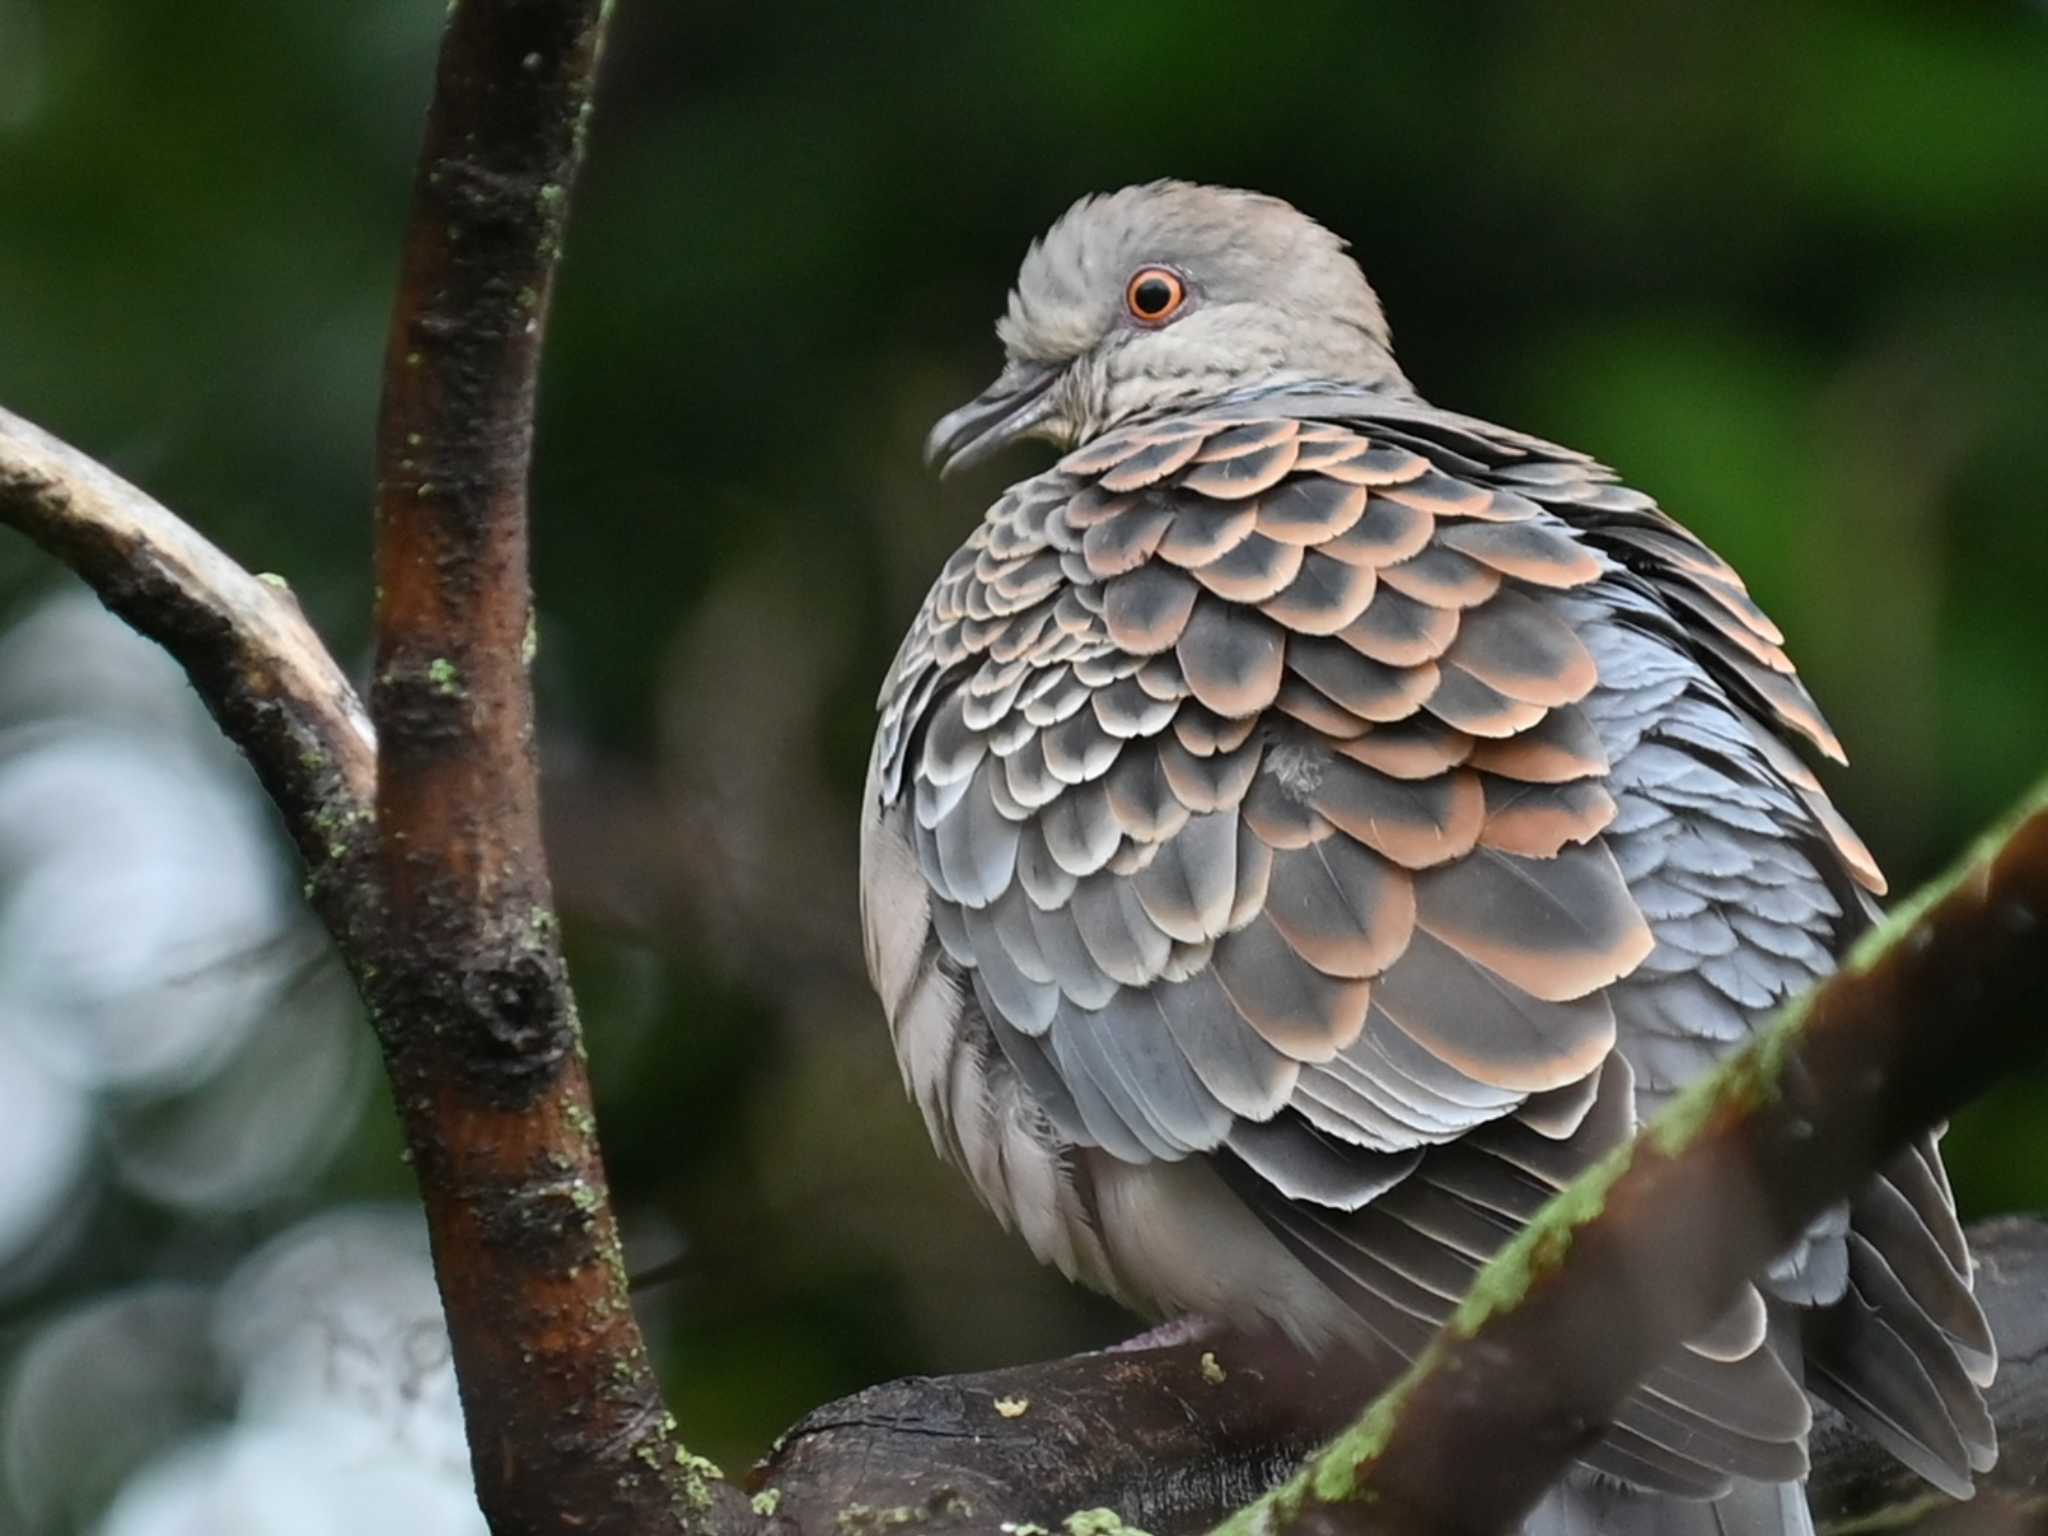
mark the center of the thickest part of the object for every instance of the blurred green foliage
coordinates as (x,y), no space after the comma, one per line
(1785,265)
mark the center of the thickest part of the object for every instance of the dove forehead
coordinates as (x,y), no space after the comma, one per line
(1234,246)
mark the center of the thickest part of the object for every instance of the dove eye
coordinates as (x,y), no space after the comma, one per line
(1154,295)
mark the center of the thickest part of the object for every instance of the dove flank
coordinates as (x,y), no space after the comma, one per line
(1306,827)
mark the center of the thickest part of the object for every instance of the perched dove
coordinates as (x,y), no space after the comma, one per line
(1307,826)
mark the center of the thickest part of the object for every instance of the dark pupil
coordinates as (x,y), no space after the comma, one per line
(1152,296)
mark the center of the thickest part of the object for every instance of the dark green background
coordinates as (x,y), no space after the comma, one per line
(1785,265)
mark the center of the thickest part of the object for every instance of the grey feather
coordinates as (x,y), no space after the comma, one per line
(1079,749)
(1144,804)
(1027,1057)
(1110,1115)
(1232,657)
(1128,946)
(1244,1072)
(1188,887)
(1080,829)
(1858,1362)
(1125,709)
(977,844)
(1303,1164)
(1025,1002)
(1209,783)
(1339,1107)
(1362,1072)
(1304,1013)
(1918,1175)
(1044,881)
(1144,1073)
(1582,1507)
(1026,778)
(1081,981)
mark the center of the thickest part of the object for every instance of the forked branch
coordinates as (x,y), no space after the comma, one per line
(426,862)
(425,856)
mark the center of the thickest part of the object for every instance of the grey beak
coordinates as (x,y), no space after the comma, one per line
(1011,408)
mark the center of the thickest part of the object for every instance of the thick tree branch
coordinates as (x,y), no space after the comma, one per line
(1650,1246)
(1174,1444)
(567,1428)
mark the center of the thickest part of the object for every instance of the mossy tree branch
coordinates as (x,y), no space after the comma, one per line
(1650,1246)
(1176,1437)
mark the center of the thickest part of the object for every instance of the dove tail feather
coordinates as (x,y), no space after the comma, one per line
(1580,1506)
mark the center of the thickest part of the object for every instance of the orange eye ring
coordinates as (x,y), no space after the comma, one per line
(1154,295)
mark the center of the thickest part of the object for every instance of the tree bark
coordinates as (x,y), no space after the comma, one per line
(464,974)
(252,657)
(1175,1445)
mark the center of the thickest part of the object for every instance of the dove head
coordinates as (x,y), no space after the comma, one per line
(1163,298)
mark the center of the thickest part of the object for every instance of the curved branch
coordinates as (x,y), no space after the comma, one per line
(1650,1246)
(251,655)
